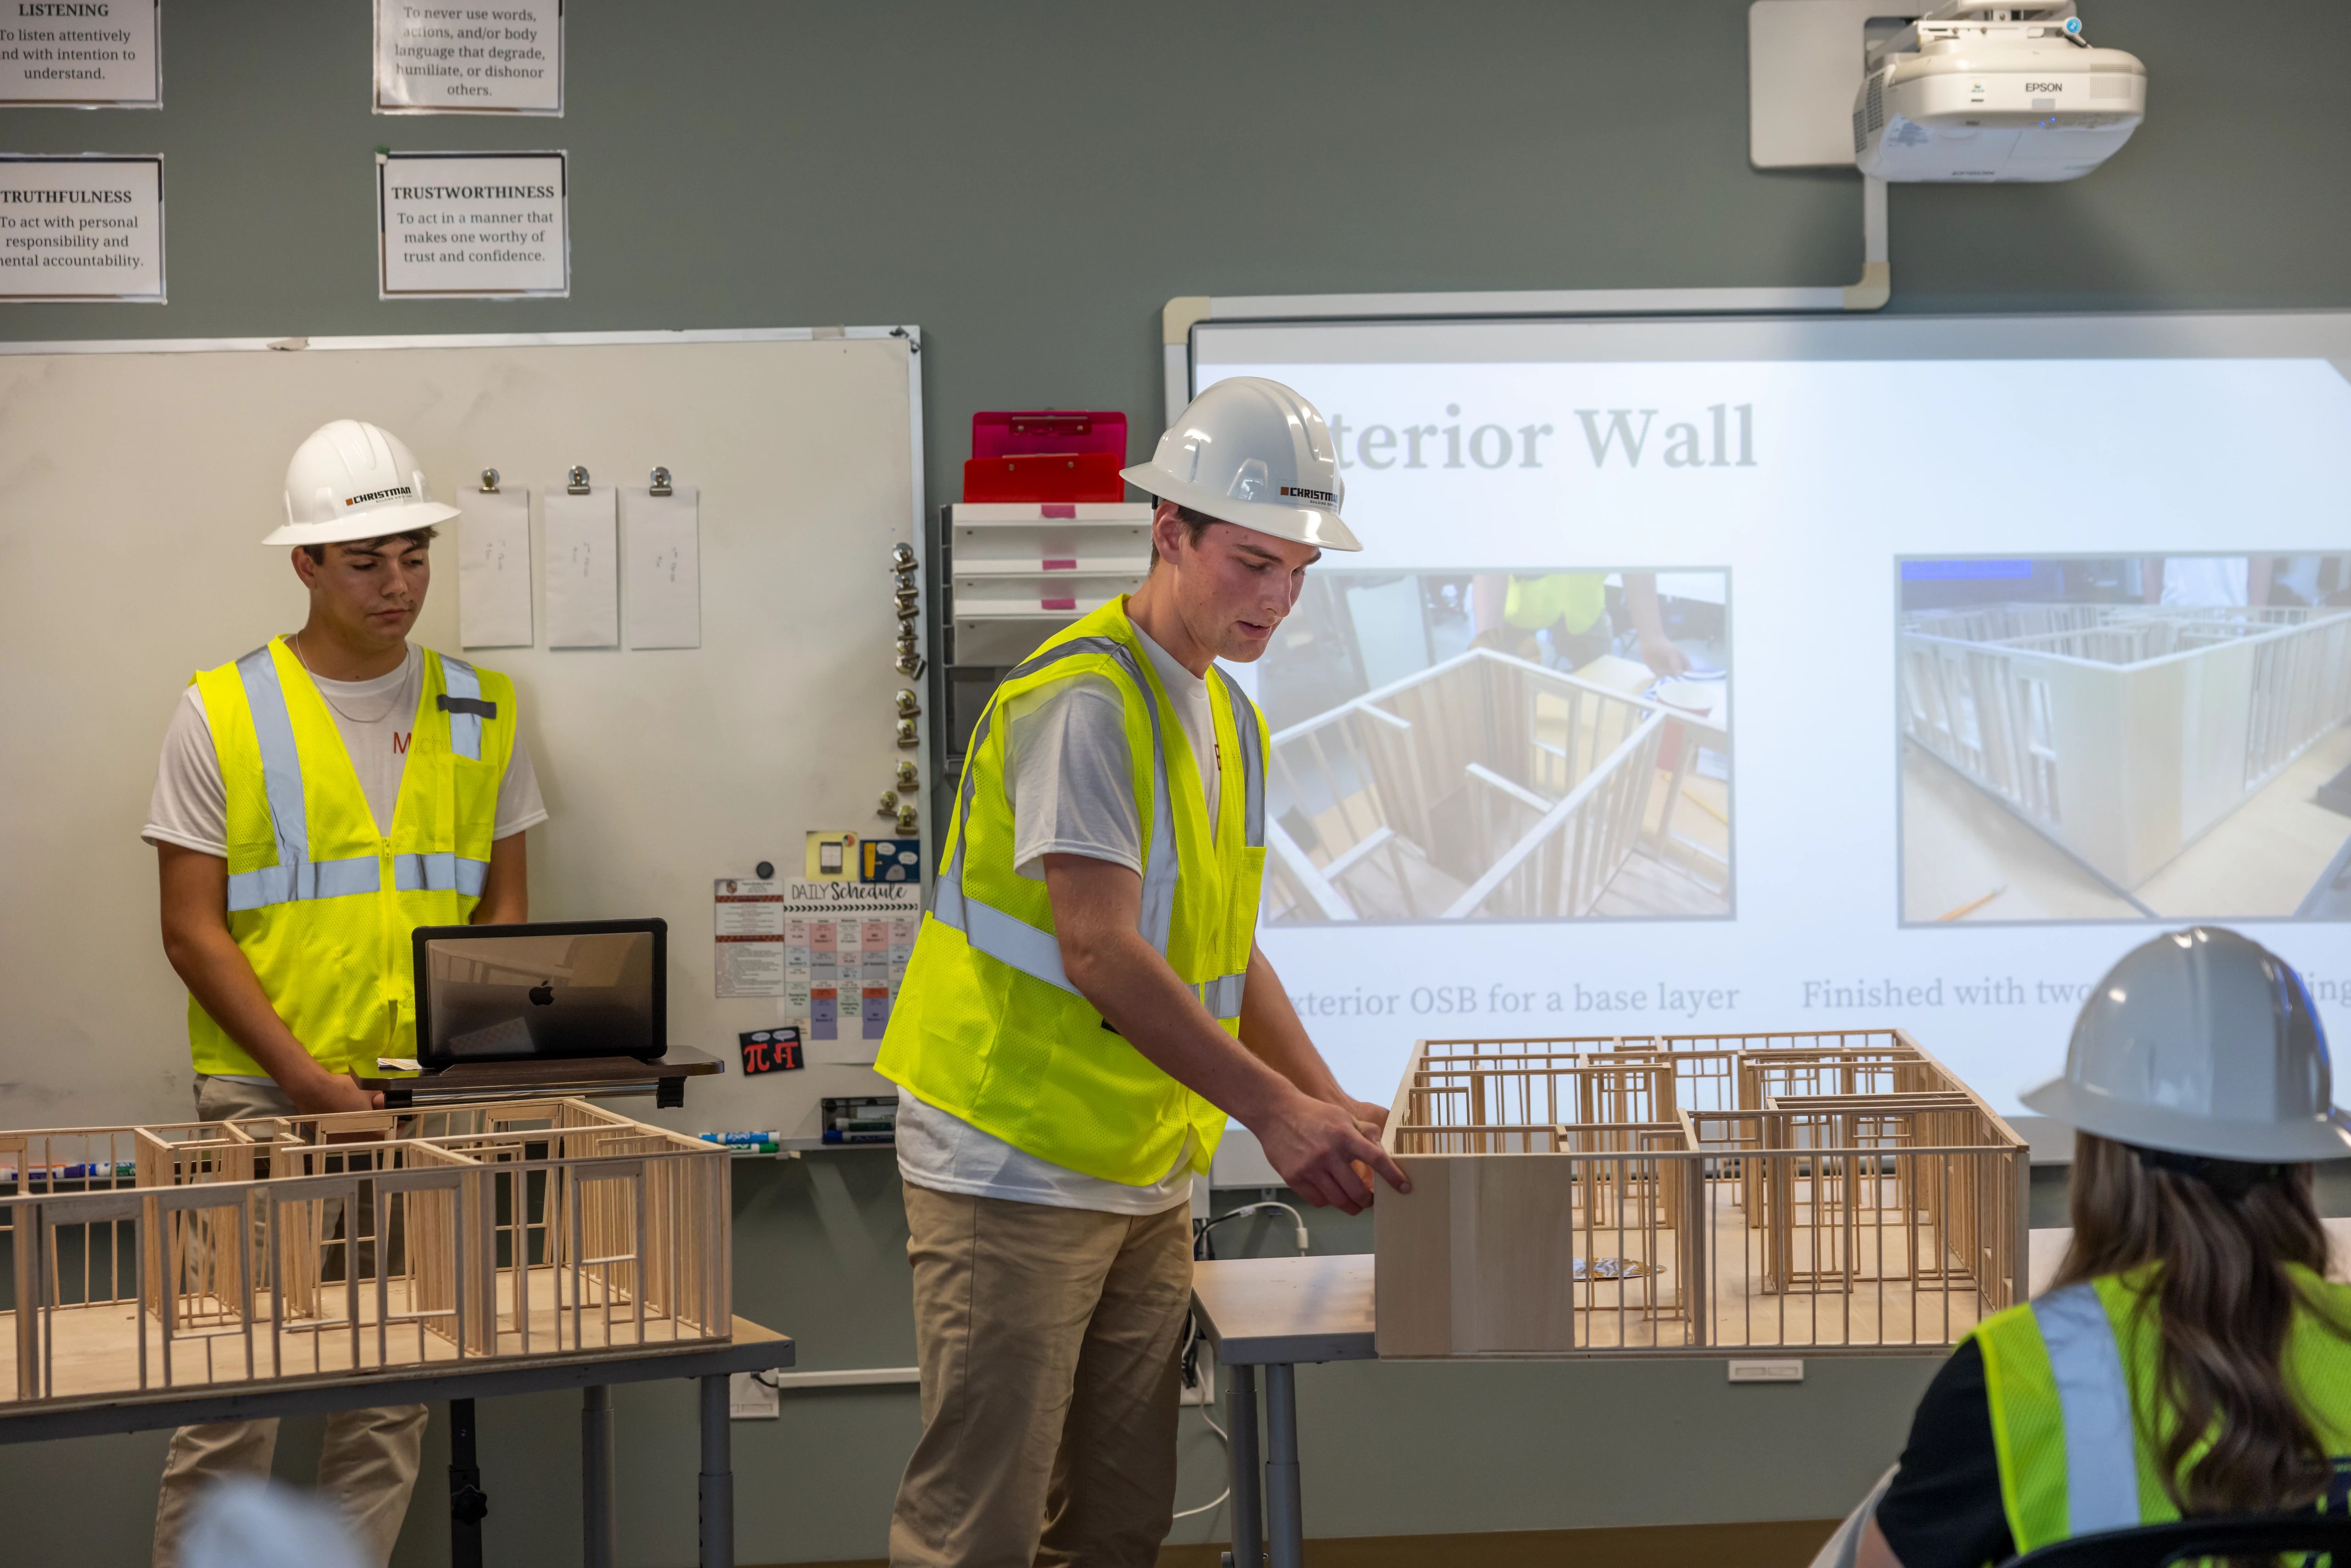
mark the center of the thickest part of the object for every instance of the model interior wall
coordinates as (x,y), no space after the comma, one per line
(2123,732)
(1485,785)
(1828,1193)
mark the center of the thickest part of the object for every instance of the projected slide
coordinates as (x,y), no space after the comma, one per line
(1709,676)
(2136,736)
(1508,745)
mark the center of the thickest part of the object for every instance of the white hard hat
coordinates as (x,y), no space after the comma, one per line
(352,480)
(2201,1043)
(1252,451)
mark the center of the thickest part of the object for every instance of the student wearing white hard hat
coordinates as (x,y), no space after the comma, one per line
(319,799)
(2190,1356)
(1085,1006)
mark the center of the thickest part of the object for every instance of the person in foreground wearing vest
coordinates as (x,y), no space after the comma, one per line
(318,799)
(2190,1357)
(1085,1004)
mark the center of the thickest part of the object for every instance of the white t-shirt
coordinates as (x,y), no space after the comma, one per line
(2207,581)
(190,805)
(1072,792)
(1072,785)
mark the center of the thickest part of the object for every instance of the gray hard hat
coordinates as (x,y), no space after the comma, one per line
(2201,1043)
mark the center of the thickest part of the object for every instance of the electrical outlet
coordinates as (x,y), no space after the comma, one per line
(748,1399)
(1199,1375)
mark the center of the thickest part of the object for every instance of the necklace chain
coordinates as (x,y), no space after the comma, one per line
(399,692)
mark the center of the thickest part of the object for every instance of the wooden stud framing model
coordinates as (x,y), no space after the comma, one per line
(1833,1192)
(1486,786)
(200,1254)
(2123,732)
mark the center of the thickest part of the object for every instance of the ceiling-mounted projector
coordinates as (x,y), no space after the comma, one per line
(1994,92)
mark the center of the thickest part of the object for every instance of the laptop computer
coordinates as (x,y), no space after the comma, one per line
(546,990)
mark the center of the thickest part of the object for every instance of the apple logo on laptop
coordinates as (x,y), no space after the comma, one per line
(542,993)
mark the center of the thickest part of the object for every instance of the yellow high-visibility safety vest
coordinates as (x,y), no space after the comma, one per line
(2078,1420)
(320,903)
(988,1025)
(1578,599)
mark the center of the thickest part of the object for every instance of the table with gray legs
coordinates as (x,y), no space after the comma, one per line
(1278,1313)
(752,1349)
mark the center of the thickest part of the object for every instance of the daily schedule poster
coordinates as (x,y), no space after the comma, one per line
(1794,676)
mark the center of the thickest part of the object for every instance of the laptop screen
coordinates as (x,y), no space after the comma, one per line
(520,992)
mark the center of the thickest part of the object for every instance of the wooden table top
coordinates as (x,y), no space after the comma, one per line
(1261,1311)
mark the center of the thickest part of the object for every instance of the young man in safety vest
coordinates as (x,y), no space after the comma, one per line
(318,799)
(1085,1006)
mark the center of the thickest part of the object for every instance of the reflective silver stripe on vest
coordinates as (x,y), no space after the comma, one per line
(281,760)
(2094,1397)
(1252,759)
(1004,937)
(296,875)
(1011,940)
(303,879)
(465,729)
(440,871)
(1222,996)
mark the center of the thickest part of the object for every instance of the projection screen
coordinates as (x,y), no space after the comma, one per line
(1729,675)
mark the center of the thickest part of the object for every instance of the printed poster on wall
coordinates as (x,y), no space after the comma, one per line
(747,926)
(495,57)
(98,54)
(846,944)
(87,227)
(484,225)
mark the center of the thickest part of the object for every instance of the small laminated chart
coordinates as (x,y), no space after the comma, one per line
(846,945)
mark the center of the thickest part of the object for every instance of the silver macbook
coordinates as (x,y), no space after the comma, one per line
(552,989)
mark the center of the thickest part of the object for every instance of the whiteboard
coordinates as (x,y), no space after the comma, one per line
(136,480)
(1946,818)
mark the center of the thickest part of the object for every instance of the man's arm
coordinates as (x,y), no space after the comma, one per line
(1315,1144)
(506,891)
(197,942)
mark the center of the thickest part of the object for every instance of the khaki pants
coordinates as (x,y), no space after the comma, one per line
(1048,1340)
(368,1464)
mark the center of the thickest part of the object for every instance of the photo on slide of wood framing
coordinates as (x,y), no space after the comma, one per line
(1533,743)
(2124,737)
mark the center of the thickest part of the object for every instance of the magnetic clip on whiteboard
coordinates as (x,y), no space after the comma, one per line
(660,485)
(576,481)
(489,481)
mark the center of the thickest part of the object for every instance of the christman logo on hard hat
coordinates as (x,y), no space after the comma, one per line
(1320,497)
(379,496)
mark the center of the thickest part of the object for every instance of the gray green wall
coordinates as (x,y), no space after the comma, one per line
(1028,181)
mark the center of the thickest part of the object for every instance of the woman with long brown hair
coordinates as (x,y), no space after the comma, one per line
(2190,1356)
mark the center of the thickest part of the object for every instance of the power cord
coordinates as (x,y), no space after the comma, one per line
(1192,1332)
(1298,1219)
(1207,1414)
(1218,1500)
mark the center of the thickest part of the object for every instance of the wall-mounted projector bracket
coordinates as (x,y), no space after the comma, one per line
(1804,62)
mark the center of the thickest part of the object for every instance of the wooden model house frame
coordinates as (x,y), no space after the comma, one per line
(2123,732)
(195,1254)
(1831,1192)
(1486,786)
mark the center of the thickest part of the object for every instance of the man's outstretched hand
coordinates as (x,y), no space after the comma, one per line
(1317,1147)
